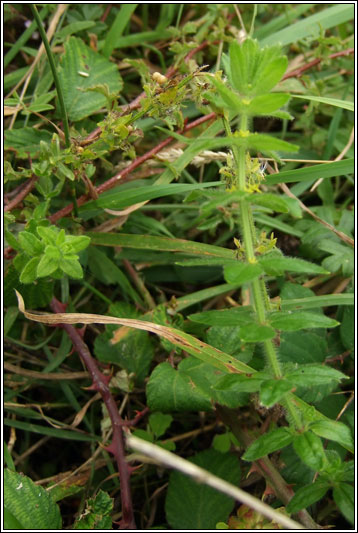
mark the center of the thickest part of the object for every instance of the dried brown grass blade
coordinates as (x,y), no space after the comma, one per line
(186,342)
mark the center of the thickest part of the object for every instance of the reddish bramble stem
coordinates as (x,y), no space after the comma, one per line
(100,384)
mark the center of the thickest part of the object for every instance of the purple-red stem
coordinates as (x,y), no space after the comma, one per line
(299,71)
(22,194)
(100,384)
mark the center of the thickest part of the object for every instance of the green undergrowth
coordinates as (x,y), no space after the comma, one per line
(184,170)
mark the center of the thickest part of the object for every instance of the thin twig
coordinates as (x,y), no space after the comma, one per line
(339,234)
(200,475)
(299,71)
(22,194)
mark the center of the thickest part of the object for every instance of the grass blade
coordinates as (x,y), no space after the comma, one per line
(330,101)
(326,170)
(117,28)
(327,18)
(150,242)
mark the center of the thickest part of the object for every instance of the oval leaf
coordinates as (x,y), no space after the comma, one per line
(240,273)
(267,143)
(169,390)
(267,103)
(268,443)
(333,430)
(311,375)
(237,316)
(310,449)
(256,333)
(276,265)
(301,320)
(344,497)
(80,58)
(306,496)
(272,391)
(29,273)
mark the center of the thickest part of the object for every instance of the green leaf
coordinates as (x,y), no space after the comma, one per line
(318,301)
(159,423)
(310,375)
(53,252)
(11,240)
(8,458)
(37,108)
(273,390)
(107,272)
(29,243)
(272,201)
(71,267)
(239,383)
(347,329)
(29,272)
(190,505)
(204,377)
(50,431)
(348,471)
(303,347)
(116,30)
(330,101)
(48,234)
(227,339)
(150,242)
(232,100)
(310,450)
(222,443)
(240,273)
(47,266)
(344,261)
(267,103)
(300,320)
(10,522)
(271,74)
(31,505)
(97,513)
(61,237)
(25,140)
(311,25)
(256,333)
(38,294)
(64,171)
(239,59)
(313,173)
(343,495)
(276,265)
(307,496)
(268,443)
(75,27)
(333,430)
(168,390)
(236,316)
(137,39)
(195,297)
(267,143)
(79,58)
(124,198)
